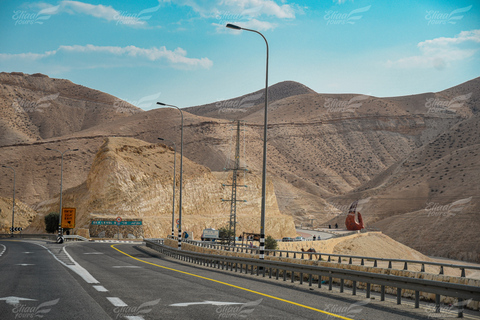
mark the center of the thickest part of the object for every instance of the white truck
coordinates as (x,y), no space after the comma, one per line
(210,234)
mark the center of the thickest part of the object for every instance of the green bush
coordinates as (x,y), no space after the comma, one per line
(271,243)
(51,222)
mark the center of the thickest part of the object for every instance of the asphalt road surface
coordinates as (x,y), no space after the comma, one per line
(130,281)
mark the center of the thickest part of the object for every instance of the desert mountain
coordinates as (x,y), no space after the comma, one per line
(324,151)
(36,107)
(133,179)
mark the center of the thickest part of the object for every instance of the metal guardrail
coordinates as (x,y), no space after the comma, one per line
(337,257)
(75,238)
(29,236)
(459,291)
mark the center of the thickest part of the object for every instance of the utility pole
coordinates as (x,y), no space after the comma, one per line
(233,200)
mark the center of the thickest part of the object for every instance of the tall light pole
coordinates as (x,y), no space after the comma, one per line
(13,205)
(174,180)
(264,169)
(60,230)
(181,177)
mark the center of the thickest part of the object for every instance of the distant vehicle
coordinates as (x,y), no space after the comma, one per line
(287,239)
(299,239)
(210,234)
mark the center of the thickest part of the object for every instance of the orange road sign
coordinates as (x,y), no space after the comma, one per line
(68,218)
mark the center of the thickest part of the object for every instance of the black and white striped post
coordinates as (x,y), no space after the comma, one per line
(264,169)
(181,177)
(13,204)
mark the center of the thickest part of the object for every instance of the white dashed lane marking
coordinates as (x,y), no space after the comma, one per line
(100,288)
(117,302)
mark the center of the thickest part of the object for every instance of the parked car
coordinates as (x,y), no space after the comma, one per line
(299,239)
(287,239)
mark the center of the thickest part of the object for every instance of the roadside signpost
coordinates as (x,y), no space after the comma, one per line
(119,221)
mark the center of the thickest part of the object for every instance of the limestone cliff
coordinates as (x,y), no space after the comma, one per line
(133,179)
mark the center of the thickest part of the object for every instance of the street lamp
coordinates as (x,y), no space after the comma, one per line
(174,180)
(60,230)
(264,169)
(181,177)
(13,206)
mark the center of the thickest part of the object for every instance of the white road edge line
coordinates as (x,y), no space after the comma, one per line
(78,269)
(100,288)
(117,302)
(134,318)
(4,248)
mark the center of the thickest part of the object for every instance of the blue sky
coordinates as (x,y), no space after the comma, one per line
(180,53)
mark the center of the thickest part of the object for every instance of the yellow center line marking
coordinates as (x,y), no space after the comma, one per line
(233,286)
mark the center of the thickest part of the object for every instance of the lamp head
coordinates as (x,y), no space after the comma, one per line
(232,26)
(162,104)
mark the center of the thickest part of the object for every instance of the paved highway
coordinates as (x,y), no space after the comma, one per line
(130,281)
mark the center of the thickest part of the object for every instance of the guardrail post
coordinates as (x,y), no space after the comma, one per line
(310,280)
(463,273)
(319,281)
(330,283)
(382,293)
(341,285)
(399,295)
(460,308)
(389,264)
(350,260)
(284,275)
(354,288)
(368,291)
(319,257)
(375,264)
(441,270)
(277,274)
(293,276)
(362,263)
(301,277)
(423,268)
(339,259)
(417,299)
(328,258)
(437,303)
(405,266)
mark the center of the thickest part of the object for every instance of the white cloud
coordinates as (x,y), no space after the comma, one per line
(439,52)
(246,13)
(128,55)
(99,11)
(252,8)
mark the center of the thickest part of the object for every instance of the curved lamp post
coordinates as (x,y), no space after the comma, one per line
(181,177)
(13,205)
(174,180)
(264,169)
(60,230)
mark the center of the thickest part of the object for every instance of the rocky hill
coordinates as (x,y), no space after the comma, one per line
(133,179)
(36,107)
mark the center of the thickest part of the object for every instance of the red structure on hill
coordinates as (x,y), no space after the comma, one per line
(350,222)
